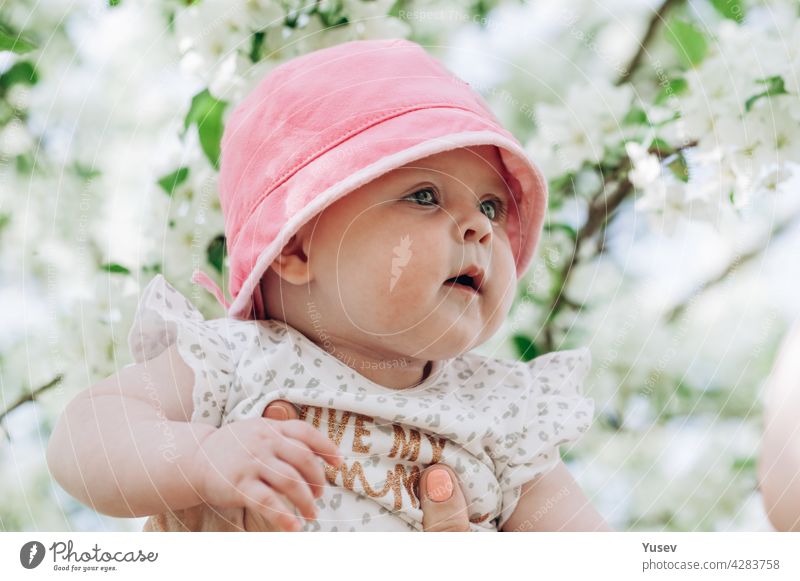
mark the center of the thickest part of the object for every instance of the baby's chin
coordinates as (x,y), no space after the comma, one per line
(447,344)
(442,333)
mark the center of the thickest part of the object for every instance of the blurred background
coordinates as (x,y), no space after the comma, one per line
(669,132)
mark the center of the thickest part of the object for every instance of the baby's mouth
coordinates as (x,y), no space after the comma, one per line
(470,280)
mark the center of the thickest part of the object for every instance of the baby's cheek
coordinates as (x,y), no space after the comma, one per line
(392,304)
(394,309)
(392,277)
(363,292)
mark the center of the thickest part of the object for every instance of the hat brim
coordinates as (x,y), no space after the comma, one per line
(366,156)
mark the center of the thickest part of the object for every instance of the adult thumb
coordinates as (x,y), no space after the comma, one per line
(280,410)
(444,508)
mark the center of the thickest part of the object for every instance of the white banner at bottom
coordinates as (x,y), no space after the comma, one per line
(386,556)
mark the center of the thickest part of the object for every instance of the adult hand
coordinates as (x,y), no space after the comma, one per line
(444,508)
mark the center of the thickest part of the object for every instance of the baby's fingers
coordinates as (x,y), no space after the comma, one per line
(298,455)
(286,480)
(316,441)
(262,499)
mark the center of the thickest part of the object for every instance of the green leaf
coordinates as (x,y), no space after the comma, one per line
(556,201)
(525,295)
(679,168)
(480,11)
(681,391)
(115,268)
(775,86)
(660,147)
(21,72)
(613,156)
(206,113)
(7,113)
(255,49)
(85,172)
(396,8)
(215,253)
(564,183)
(333,15)
(25,163)
(612,420)
(10,40)
(636,116)
(171,181)
(688,40)
(744,463)
(526,348)
(5,220)
(113,3)
(554,226)
(672,88)
(732,9)
(154,268)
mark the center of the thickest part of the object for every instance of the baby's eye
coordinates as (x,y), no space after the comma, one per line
(494,209)
(425,196)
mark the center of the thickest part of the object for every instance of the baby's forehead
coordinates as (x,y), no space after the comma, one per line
(482,155)
(476,162)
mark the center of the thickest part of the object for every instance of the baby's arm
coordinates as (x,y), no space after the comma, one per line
(554,502)
(112,450)
(126,448)
(779,461)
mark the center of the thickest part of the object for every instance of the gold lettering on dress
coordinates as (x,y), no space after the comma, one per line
(348,478)
(331,472)
(317,414)
(411,484)
(480,518)
(395,481)
(360,430)
(405,446)
(336,428)
(437,448)
(410,445)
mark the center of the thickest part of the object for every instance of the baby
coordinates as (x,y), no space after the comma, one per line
(377,218)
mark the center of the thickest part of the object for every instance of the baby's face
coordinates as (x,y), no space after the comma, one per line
(382,256)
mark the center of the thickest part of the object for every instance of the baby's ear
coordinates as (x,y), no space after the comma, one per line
(292,263)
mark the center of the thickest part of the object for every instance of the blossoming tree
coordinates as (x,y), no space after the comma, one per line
(668,131)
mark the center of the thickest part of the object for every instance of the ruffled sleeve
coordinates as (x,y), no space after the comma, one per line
(555,412)
(211,348)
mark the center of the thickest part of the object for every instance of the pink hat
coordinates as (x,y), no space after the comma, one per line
(323,124)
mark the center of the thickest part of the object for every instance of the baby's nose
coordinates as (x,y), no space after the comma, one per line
(476,227)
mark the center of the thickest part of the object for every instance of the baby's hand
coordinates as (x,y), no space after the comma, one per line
(248,463)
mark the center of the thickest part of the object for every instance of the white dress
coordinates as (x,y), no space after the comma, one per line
(497,423)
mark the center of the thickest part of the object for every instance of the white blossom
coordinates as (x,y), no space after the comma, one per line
(580,130)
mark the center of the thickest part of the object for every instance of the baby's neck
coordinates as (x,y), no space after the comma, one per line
(393,373)
(390,370)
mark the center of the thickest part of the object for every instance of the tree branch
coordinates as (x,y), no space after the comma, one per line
(601,209)
(736,262)
(30,396)
(652,27)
